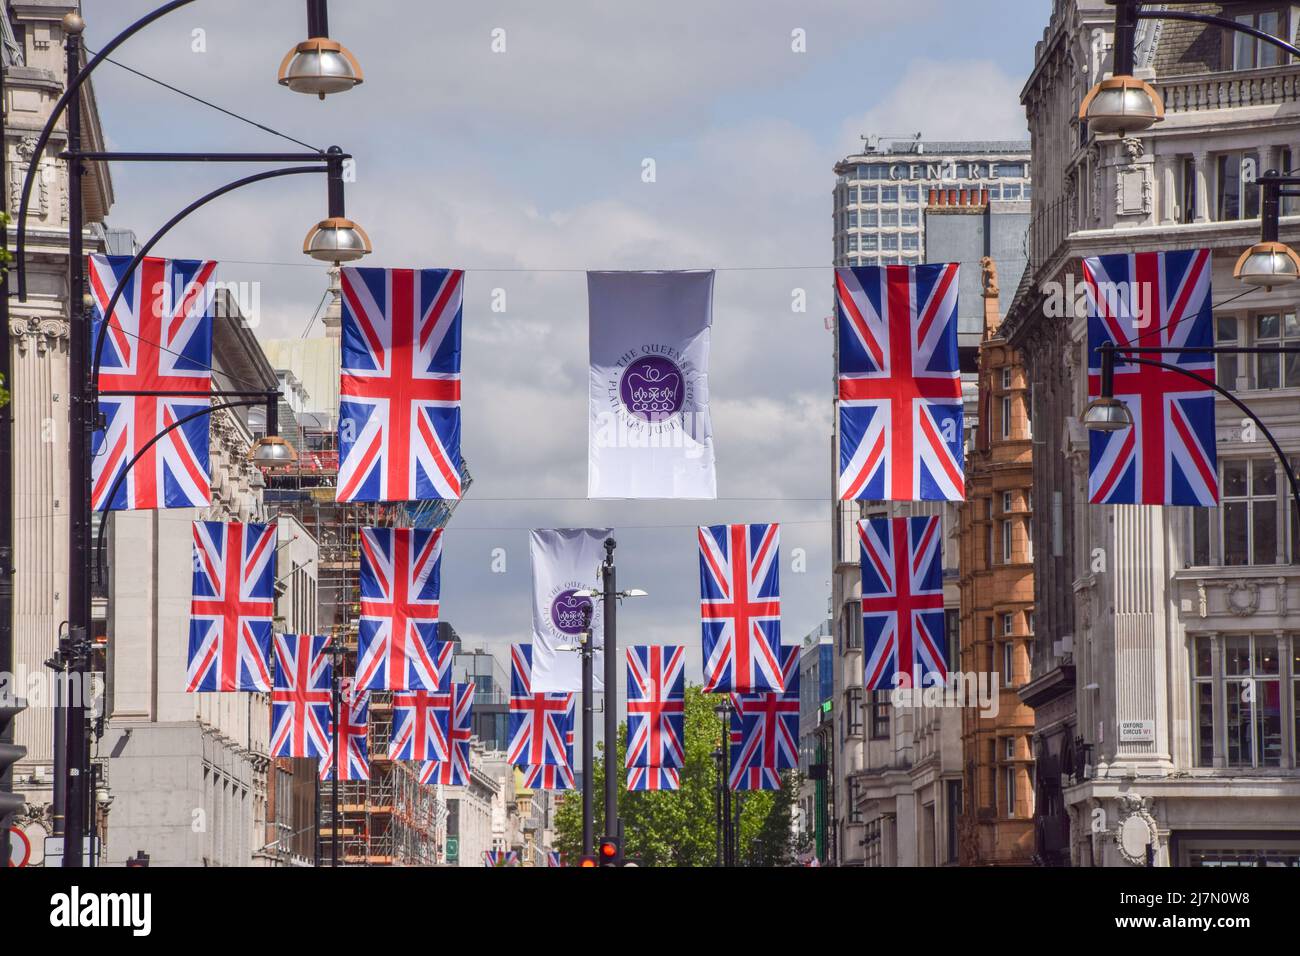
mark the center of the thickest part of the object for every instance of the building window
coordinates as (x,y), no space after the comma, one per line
(1250,682)
(869,194)
(879,715)
(855,812)
(1009,663)
(870,242)
(1276,330)
(1251,53)
(1029,623)
(1010,190)
(1238,187)
(889,242)
(1006,376)
(952,638)
(911,242)
(1008,625)
(1006,541)
(852,219)
(889,194)
(870,218)
(910,218)
(851,626)
(911,194)
(1009,789)
(872,843)
(1203,701)
(1249,511)
(889,218)
(1225,333)
(954,815)
(1029,413)
(1187,190)
(1006,416)
(1006,502)
(853,712)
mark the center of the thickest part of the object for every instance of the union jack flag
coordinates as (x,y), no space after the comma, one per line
(902,602)
(159,340)
(554,858)
(769,723)
(397,639)
(421,726)
(231,606)
(540,724)
(747,776)
(653,778)
(355,704)
(544,777)
(740,606)
(656,705)
(500,858)
(899,385)
(1167,456)
(454,772)
(300,702)
(399,386)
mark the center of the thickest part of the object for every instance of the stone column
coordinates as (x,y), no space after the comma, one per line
(1202,164)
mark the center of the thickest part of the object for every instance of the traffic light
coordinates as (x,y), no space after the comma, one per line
(10,753)
(141,858)
(587,861)
(609,851)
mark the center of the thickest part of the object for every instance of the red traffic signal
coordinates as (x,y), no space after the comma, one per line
(587,861)
(611,854)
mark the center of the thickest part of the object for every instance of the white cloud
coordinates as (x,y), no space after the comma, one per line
(952,99)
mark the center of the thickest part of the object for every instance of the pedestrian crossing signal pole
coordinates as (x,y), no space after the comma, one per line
(608,575)
(588,741)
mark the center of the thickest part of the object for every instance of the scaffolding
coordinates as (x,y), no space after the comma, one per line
(391,819)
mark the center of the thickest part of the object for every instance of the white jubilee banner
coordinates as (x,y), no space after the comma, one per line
(565,560)
(649,434)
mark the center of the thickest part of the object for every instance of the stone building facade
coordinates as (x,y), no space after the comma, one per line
(1151,622)
(997,603)
(38,337)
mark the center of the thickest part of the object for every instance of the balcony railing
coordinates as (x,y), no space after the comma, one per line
(1231,90)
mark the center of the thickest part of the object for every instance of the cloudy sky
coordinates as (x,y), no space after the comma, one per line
(524,167)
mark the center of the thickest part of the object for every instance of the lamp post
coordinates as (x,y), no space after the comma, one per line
(336,649)
(723,710)
(71,759)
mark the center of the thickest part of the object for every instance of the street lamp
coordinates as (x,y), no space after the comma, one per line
(1270,262)
(71,798)
(319,66)
(1122,103)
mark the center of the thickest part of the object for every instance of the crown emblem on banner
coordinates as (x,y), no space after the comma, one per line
(652,390)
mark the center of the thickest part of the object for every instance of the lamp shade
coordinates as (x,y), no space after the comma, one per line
(1268,264)
(320,66)
(1121,104)
(336,240)
(1106,415)
(272,450)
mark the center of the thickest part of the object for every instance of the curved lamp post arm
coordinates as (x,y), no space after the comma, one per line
(74,85)
(157,236)
(1277,449)
(100,537)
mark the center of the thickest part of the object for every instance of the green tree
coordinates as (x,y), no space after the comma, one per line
(679,828)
